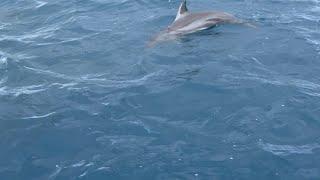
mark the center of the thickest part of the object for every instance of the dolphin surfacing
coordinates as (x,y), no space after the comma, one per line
(187,22)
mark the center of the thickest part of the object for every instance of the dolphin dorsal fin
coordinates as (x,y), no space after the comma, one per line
(182,10)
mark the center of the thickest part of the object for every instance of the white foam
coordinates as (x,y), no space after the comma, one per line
(79,164)
(103,168)
(95,78)
(56,172)
(285,150)
(83,174)
(3,62)
(21,90)
(40,3)
(89,164)
(3,80)
(39,116)
(16,56)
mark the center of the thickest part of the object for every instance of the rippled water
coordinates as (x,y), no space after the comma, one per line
(82,98)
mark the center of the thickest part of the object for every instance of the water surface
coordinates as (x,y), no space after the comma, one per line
(82,98)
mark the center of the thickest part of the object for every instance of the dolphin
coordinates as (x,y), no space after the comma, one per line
(188,22)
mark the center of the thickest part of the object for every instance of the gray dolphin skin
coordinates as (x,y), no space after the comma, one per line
(187,22)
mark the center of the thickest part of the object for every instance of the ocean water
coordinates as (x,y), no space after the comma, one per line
(82,98)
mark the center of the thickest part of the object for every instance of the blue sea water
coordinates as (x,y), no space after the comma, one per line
(82,98)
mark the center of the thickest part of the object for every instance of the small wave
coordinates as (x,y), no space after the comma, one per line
(303,85)
(285,150)
(67,40)
(315,94)
(310,34)
(316,9)
(92,22)
(103,168)
(3,80)
(302,1)
(314,42)
(3,25)
(5,91)
(91,78)
(32,89)
(63,85)
(141,124)
(39,116)
(3,63)
(40,4)
(50,73)
(42,32)
(16,56)
(125,140)
(79,164)
(110,1)
(56,172)
(83,174)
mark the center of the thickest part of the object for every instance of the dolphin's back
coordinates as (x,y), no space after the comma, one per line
(197,21)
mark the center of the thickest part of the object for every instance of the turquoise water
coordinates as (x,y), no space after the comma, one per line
(82,98)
